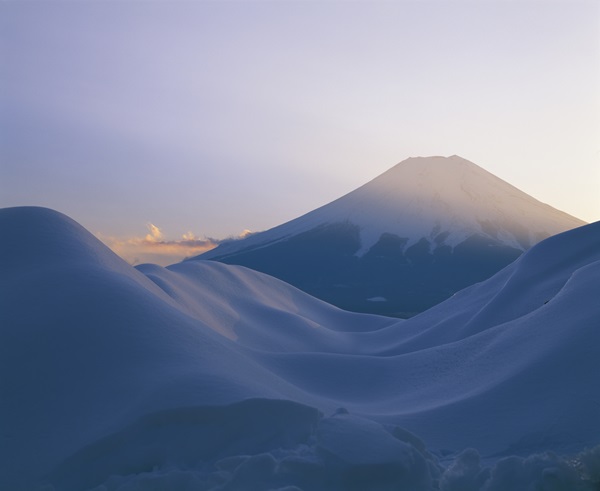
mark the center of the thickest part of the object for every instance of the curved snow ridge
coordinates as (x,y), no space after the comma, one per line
(247,288)
(469,369)
(520,289)
(258,311)
(539,275)
(41,242)
(42,237)
(89,345)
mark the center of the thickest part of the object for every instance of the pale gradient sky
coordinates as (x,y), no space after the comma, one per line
(215,117)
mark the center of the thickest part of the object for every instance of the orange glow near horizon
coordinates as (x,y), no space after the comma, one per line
(155,248)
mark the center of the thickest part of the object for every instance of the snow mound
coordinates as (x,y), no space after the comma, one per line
(209,376)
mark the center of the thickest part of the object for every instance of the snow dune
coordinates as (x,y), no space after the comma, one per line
(208,376)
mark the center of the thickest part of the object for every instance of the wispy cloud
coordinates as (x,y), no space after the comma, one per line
(155,248)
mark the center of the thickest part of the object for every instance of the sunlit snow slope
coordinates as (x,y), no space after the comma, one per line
(208,376)
(405,241)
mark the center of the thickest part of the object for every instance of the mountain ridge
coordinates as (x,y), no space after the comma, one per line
(390,195)
(404,241)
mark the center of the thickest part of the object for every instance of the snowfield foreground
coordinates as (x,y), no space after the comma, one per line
(204,376)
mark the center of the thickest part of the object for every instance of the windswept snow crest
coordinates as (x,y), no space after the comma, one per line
(423,230)
(207,376)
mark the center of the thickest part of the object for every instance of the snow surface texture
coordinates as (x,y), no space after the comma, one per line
(204,376)
(409,239)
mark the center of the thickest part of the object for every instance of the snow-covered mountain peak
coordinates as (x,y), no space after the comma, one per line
(452,178)
(427,196)
(413,236)
(442,199)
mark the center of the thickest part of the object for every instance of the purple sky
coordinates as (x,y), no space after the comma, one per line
(216,117)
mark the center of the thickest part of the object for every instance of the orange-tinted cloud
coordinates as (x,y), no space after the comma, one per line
(154,248)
